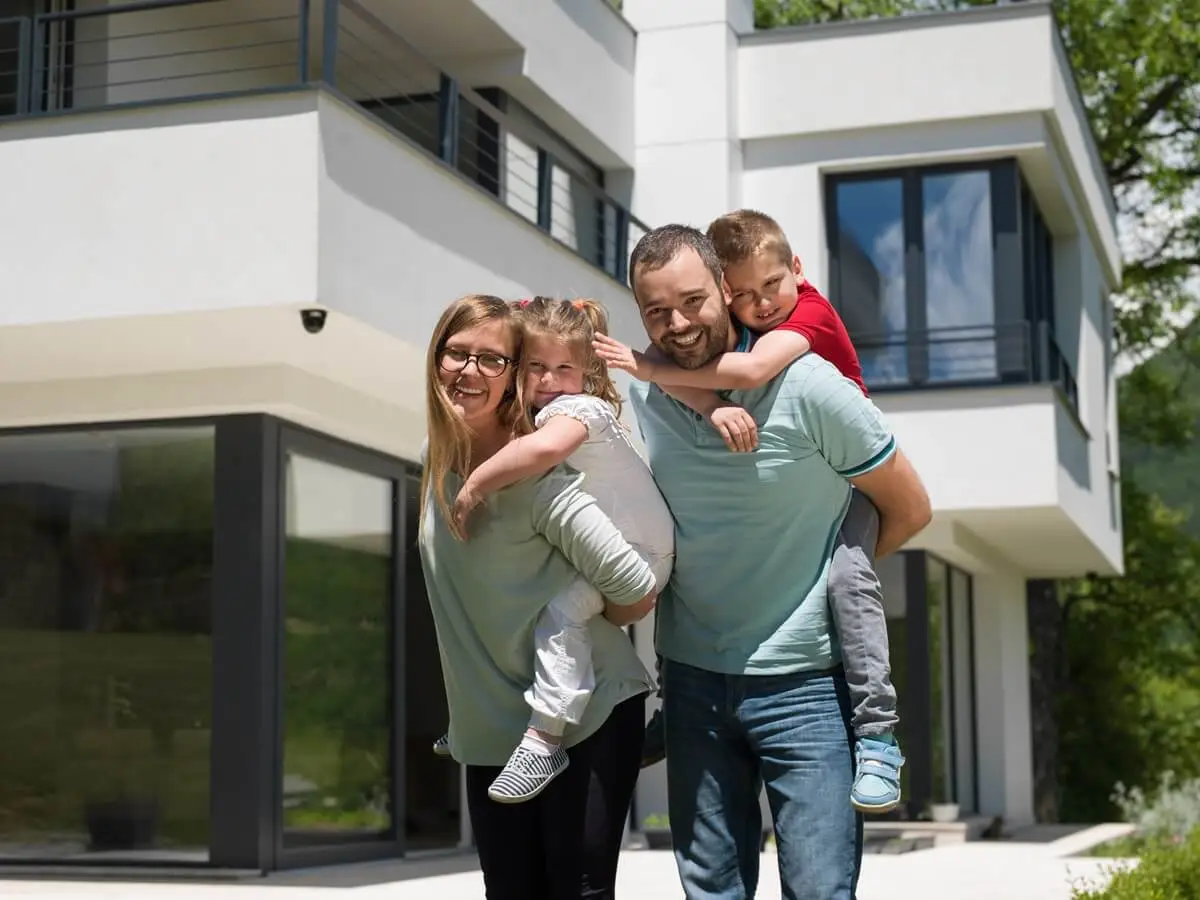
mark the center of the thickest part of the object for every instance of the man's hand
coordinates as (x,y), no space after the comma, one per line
(464,504)
(623,357)
(736,427)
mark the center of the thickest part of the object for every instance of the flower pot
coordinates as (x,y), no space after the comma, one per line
(126,824)
(943,812)
(658,839)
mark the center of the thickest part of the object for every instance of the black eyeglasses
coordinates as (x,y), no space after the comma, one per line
(490,365)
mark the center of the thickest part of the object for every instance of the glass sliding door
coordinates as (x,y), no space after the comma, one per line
(939,680)
(106,567)
(891,572)
(962,625)
(338,673)
(433,805)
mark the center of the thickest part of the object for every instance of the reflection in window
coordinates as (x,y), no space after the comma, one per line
(891,572)
(106,544)
(433,806)
(960,307)
(963,679)
(939,675)
(871,291)
(337,660)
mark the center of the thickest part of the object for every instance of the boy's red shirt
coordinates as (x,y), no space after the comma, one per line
(815,318)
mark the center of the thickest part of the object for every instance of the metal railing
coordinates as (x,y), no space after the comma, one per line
(1013,353)
(161,50)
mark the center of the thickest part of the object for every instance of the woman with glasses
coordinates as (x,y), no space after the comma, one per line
(486,595)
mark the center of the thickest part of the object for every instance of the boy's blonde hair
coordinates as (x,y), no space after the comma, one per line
(575,323)
(740,234)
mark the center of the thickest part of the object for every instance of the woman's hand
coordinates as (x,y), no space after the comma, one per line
(621,356)
(464,504)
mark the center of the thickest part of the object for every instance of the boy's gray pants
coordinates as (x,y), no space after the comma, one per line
(856,601)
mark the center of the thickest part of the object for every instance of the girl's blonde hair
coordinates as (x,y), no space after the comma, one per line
(449,448)
(573,322)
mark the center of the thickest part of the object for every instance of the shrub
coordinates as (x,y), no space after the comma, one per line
(1168,872)
(1168,816)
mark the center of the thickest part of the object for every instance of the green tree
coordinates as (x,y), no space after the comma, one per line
(1099,644)
(781,13)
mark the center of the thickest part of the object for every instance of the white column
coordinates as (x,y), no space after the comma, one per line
(689,158)
(1005,747)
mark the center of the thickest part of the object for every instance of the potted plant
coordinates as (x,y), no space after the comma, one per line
(125,816)
(657,828)
(944,812)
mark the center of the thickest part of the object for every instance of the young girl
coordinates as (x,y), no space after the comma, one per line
(576,407)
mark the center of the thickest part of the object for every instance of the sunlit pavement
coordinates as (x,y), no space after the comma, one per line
(985,870)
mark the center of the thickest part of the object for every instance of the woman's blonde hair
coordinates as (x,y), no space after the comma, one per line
(449,448)
(573,322)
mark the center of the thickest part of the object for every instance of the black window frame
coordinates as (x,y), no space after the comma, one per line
(916,702)
(1023,277)
(246,752)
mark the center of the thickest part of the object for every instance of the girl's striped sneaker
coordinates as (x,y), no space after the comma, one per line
(527,774)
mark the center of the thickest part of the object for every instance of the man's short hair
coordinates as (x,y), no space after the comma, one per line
(738,235)
(661,245)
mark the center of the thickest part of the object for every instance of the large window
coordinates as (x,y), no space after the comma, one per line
(433,801)
(211,636)
(960,301)
(106,563)
(943,276)
(930,624)
(337,668)
(872,290)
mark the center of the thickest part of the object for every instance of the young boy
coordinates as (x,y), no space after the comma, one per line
(784,317)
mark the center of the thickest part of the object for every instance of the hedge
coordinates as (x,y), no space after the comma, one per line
(1170,872)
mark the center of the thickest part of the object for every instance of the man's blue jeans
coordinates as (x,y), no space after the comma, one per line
(727,736)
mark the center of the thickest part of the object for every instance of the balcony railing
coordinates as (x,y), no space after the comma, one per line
(1016,353)
(163,50)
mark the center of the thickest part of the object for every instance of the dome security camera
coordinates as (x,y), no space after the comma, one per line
(313,320)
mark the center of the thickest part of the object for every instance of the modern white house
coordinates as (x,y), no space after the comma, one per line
(228,227)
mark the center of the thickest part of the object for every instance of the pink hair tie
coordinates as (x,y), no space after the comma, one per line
(524,303)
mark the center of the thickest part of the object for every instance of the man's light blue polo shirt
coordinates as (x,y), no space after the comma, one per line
(754,532)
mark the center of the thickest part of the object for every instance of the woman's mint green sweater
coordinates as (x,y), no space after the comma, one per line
(525,547)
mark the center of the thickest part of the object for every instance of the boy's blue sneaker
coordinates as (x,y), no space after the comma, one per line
(876,775)
(654,745)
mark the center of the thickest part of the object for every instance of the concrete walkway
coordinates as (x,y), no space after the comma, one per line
(985,870)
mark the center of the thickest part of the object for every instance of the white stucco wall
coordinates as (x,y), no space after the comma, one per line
(196,232)
(133,212)
(689,151)
(1004,747)
(1084,464)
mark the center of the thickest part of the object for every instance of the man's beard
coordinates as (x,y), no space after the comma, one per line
(712,343)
